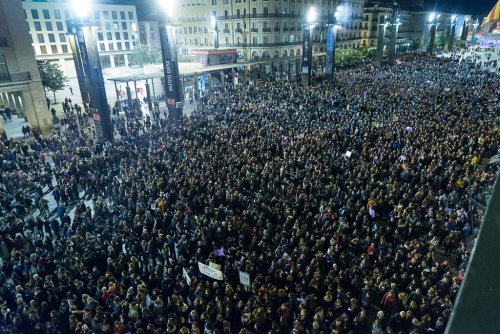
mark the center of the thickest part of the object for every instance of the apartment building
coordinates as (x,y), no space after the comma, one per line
(21,88)
(117,31)
(262,29)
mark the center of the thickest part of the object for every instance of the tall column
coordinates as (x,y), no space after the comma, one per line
(36,111)
(380,44)
(112,61)
(222,78)
(125,56)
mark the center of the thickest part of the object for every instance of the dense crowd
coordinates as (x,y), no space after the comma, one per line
(337,200)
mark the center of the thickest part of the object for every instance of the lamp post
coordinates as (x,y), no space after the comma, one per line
(450,33)
(331,36)
(395,23)
(433,23)
(173,93)
(307,46)
(89,71)
(215,28)
(381,40)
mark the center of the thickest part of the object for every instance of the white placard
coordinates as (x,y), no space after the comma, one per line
(244,278)
(348,154)
(210,272)
(186,276)
(214,265)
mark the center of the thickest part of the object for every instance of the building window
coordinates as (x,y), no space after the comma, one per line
(38,26)
(40,38)
(59,26)
(46,14)
(117,36)
(67,14)
(57,14)
(43,49)
(52,38)
(119,45)
(97,16)
(111,47)
(115,25)
(127,46)
(102,47)
(105,15)
(64,48)
(109,36)
(124,25)
(34,14)
(122,16)
(107,25)
(53,48)
(114,15)
(130,15)
(48,25)
(100,36)
(125,35)
(62,37)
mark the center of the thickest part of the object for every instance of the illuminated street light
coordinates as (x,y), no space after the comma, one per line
(81,8)
(307,44)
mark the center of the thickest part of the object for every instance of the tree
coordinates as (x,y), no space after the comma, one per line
(144,54)
(415,45)
(53,78)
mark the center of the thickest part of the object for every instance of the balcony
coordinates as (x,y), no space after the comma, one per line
(266,29)
(286,29)
(277,29)
(238,30)
(226,31)
(15,77)
(254,45)
(254,30)
(259,16)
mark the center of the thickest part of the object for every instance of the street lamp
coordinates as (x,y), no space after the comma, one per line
(89,71)
(433,23)
(450,33)
(381,39)
(173,93)
(215,29)
(307,44)
(331,36)
(395,23)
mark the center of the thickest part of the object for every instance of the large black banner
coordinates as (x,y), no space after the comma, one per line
(173,94)
(89,56)
(306,51)
(330,49)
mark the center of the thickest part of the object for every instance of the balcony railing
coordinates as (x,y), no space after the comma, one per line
(266,29)
(254,45)
(277,29)
(254,30)
(15,77)
(238,30)
(259,16)
(226,31)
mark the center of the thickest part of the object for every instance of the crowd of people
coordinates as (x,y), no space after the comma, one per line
(320,209)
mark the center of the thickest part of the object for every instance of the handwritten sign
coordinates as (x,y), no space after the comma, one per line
(244,278)
(210,272)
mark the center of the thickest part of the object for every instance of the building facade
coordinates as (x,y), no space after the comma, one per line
(268,32)
(20,85)
(116,37)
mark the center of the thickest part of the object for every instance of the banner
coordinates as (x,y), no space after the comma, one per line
(170,66)
(244,278)
(186,276)
(210,272)
(214,265)
(306,51)
(330,49)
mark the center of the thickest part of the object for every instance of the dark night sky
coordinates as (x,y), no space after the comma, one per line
(477,7)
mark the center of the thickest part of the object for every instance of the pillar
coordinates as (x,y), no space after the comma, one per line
(125,56)
(35,108)
(112,61)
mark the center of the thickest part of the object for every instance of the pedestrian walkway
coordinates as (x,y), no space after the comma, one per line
(13,129)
